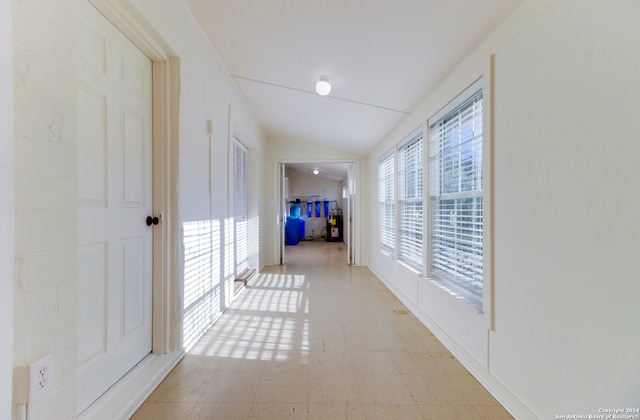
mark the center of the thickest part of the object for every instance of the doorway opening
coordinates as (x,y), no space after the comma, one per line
(317,202)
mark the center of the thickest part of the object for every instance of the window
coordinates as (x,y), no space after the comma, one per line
(410,248)
(456,193)
(240,210)
(387,203)
(239,180)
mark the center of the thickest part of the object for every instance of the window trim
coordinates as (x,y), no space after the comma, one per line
(445,137)
(242,171)
(386,250)
(416,135)
(239,203)
(482,308)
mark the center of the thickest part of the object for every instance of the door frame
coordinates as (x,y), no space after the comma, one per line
(165,88)
(350,216)
(281,216)
(354,252)
(123,399)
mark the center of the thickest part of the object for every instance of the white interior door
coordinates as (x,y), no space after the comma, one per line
(114,199)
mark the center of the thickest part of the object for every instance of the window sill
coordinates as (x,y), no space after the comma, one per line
(386,252)
(474,302)
(410,267)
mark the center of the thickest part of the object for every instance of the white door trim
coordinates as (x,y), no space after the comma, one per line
(277,191)
(166,71)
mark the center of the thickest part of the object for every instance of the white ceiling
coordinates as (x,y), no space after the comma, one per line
(383,57)
(333,171)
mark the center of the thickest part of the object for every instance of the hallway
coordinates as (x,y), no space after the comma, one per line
(319,339)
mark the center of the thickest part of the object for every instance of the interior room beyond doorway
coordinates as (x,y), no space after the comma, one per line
(317,205)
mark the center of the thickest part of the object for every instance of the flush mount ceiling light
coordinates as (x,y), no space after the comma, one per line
(316,172)
(323,86)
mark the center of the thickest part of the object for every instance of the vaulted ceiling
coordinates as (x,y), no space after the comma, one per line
(382,56)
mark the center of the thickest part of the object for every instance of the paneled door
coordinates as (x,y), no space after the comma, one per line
(114,198)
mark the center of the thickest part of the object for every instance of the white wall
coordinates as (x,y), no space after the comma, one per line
(6,209)
(206,93)
(565,225)
(45,171)
(566,156)
(45,199)
(282,150)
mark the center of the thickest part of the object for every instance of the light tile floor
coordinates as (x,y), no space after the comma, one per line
(317,339)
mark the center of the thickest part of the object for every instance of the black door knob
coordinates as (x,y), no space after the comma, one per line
(152,220)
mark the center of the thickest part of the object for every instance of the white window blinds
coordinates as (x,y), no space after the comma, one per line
(387,203)
(410,230)
(240,210)
(455,195)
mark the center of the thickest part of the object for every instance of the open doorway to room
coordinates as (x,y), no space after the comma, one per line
(317,203)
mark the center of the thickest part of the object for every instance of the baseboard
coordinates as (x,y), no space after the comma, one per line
(502,394)
(123,399)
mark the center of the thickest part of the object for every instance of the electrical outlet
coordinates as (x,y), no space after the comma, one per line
(40,378)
